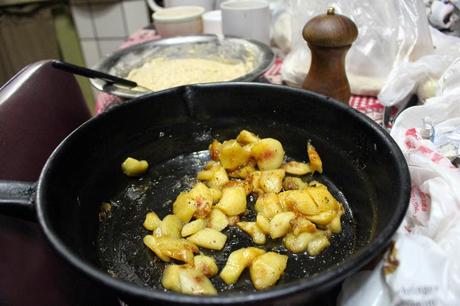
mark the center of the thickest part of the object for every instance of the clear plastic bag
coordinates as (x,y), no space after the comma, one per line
(390,31)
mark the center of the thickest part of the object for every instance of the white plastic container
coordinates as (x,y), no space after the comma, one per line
(179,21)
(212,22)
(249,19)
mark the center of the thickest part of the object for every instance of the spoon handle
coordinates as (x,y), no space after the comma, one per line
(90,73)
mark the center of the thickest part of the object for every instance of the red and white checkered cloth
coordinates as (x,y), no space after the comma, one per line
(367,105)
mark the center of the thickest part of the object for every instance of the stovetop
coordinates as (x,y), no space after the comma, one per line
(32,274)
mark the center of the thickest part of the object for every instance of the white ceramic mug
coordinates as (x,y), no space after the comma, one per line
(207,4)
(249,19)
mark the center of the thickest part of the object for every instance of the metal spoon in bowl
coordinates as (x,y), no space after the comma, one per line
(94,74)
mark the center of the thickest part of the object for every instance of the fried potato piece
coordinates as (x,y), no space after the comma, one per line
(268,153)
(254,231)
(170,226)
(152,221)
(215,176)
(272,180)
(301,224)
(318,244)
(293,183)
(298,243)
(179,249)
(205,264)
(323,198)
(232,155)
(134,167)
(195,282)
(197,202)
(246,137)
(209,238)
(296,168)
(237,262)
(170,278)
(263,223)
(233,201)
(217,220)
(266,269)
(316,165)
(152,243)
(268,205)
(280,224)
(298,201)
(193,227)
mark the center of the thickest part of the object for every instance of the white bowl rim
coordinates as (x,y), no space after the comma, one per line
(185,13)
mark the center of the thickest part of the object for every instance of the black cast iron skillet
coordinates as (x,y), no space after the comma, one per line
(172,129)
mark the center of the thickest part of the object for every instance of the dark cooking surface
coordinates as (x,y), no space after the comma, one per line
(123,254)
(46,280)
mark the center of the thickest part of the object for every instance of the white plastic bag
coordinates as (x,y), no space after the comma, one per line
(426,76)
(390,31)
(427,246)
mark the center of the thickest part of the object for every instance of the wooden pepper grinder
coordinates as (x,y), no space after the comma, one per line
(329,38)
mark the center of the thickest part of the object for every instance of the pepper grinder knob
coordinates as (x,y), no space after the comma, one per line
(329,38)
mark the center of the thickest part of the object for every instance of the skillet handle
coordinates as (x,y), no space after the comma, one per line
(17,199)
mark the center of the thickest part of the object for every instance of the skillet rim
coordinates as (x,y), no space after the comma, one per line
(317,283)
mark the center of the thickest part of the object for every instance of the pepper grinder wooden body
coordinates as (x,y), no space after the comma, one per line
(329,38)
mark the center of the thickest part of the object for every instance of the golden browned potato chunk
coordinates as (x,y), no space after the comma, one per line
(246,137)
(323,218)
(179,249)
(206,265)
(151,221)
(263,223)
(268,205)
(280,224)
(184,207)
(215,176)
(196,202)
(203,199)
(296,168)
(216,194)
(233,155)
(298,243)
(209,238)
(237,262)
(254,231)
(318,244)
(315,161)
(243,172)
(268,153)
(214,150)
(266,269)
(336,226)
(170,279)
(195,282)
(233,201)
(272,180)
(301,224)
(134,167)
(170,226)
(298,200)
(193,227)
(323,198)
(293,183)
(253,181)
(152,243)
(217,220)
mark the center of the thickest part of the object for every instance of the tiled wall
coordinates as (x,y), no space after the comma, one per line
(102,25)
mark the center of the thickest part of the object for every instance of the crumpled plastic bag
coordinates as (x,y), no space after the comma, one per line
(424,77)
(423,267)
(390,31)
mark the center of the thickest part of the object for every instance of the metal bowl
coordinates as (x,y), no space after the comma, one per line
(121,62)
